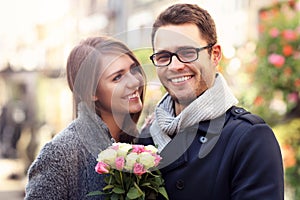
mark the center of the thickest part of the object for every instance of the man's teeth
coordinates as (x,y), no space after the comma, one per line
(181,79)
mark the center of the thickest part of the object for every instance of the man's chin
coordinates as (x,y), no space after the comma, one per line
(183,100)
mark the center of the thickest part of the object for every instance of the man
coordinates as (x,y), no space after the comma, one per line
(211,149)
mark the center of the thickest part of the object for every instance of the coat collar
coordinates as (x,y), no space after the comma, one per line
(206,134)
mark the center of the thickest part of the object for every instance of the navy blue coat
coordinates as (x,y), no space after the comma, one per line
(243,162)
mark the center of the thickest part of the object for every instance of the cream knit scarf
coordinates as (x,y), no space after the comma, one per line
(214,102)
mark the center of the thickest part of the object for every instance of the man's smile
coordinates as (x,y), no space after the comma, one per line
(180,79)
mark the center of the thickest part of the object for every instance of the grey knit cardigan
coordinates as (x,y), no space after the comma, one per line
(65,167)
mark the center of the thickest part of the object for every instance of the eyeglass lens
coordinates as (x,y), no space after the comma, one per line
(183,55)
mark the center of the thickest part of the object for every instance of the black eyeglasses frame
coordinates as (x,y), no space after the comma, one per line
(171,54)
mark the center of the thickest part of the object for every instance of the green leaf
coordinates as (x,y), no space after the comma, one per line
(126,198)
(163,192)
(152,188)
(94,193)
(134,193)
(108,187)
(145,184)
(115,197)
(118,190)
(155,173)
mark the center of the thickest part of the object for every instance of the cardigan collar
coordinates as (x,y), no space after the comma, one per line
(92,131)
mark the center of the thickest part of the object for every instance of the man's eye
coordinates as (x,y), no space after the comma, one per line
(162,57)
(187,53)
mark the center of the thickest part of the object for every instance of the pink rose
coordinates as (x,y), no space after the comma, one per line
(102,168)
(139,169)
(157,159)
(298,28)
(297,6)
(138,148)
(120,163)
(276,59)
(293,97)
(115,146)
(289,35)
(274,32)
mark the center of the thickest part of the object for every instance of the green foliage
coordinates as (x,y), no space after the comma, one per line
(288,135)
(128,186)
(277,78)
(154,90)
(143,56)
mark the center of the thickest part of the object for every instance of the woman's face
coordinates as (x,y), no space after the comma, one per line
(120,86)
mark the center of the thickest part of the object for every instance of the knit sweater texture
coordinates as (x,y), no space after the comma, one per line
(65,167)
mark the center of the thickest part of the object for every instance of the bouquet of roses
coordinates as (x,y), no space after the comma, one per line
(131,172)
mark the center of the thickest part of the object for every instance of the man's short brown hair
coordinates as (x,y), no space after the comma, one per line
(187,14)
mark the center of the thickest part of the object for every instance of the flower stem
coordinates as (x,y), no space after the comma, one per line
(138,188)
(121,176)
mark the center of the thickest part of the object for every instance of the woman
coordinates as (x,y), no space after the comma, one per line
(108,86)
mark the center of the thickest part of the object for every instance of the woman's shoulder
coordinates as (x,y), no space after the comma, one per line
(69,134)
(64,142)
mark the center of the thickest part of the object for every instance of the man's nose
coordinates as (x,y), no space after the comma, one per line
(175,64)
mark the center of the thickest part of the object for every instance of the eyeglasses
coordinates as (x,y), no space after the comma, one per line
(185,55)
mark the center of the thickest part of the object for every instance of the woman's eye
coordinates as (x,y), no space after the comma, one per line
(118,77)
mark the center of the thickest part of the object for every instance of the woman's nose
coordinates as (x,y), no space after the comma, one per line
(134,80)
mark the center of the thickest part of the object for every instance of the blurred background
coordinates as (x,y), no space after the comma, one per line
(261,61)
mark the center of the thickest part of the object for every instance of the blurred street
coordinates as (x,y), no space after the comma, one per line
(261,58)
(12,179)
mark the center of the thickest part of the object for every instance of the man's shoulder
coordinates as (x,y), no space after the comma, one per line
(240,121)
(242,114)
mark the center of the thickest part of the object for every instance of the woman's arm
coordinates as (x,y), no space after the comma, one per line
(48,175)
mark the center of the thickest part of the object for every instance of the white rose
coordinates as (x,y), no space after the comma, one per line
(151,148)
(130,160)
(147,160)
(123,149)
(108,156)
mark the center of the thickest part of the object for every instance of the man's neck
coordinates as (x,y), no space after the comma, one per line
(179,108)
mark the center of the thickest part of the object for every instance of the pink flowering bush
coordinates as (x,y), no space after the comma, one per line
(276,60)
(278,78)
(277,73)
(132,172)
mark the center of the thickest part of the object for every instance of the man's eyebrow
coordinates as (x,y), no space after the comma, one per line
(176,49)
(185,47)
(163,51)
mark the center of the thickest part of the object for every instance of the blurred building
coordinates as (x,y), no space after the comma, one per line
(39,33)
(37,36)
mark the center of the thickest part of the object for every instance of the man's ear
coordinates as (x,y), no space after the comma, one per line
(216,54)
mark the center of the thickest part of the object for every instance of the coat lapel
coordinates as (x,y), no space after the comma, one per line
(175,153)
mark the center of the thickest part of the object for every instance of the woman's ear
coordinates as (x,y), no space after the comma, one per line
(94,98)
(216,54)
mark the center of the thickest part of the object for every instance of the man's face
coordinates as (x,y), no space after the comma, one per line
(185,81)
